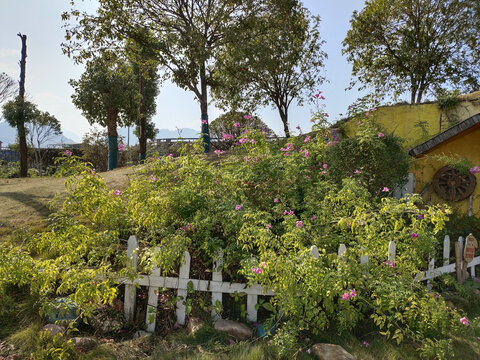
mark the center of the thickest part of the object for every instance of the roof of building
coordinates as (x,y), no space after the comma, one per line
(446,135)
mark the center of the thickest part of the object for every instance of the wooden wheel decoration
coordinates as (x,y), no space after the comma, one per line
(451,185)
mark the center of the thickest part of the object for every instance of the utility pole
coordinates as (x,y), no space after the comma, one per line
(22,139)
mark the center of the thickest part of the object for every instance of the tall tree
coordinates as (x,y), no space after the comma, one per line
(20,116)
(140,51)
(8,87)
(276,59)
(107,94)
(414,46)
(188,32)
(41,129)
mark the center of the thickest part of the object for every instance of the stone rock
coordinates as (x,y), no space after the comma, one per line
(194,324)
(84,343)
(233,328)
(331,352)
(141,333)
(54,329)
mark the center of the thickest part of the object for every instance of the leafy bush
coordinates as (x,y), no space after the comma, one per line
(376,159)
(266,207)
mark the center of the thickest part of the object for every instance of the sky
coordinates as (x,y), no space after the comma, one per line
(48,70)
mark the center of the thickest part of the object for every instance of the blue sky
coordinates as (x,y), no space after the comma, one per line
(48,70)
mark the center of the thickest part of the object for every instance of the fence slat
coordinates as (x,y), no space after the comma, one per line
(446,250)
(431,266)
(392,249)
(183,275)
(251,311)
(342,249)
(131,290)
(314,252)
(152,301)
(363,257)
(217,276)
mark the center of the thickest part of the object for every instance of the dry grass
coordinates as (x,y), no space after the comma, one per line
(25,202)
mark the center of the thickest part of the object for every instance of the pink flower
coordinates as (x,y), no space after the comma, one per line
(253,141)
(275,200)
(414,235)
(325,166)
(231,341)
(373,109)
(247,117)
(389,263)
(227,136)
(245,159)
(170,155)
(385,189)
(309,351)
(116,192)
(435,296)
(346,296)
(257,270)
(242,140)
(324,172)
(314,217)
(464,321)
(326,115)
(381,135)
(306,153)
(263,264)
(237,124)
(269,226)
(353,293)
(286,154)
(153,178)
(68,152)
(475,170)
(219,152)
(356,172)
(359,122)
(238,207)
(366,344)
(299,223)
(307,138)
(204,122)
(121,147)
(419,216)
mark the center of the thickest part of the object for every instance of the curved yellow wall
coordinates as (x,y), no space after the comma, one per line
(403,121)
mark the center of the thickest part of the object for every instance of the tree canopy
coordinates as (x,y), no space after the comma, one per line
(107,93)
(414,46)
(276,59)
(188,35)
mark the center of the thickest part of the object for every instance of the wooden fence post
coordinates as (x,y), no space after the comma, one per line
(217,276)
(392,249)
(152,300)
(183,274)
(342,249)
(131,290)
(446,250)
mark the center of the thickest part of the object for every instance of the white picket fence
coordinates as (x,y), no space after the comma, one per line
(217,287)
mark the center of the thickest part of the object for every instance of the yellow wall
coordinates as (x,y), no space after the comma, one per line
(401,120)
(424,168)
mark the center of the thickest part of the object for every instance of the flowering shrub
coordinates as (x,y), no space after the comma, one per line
(265,205)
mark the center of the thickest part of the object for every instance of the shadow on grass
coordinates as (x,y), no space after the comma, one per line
(29,200)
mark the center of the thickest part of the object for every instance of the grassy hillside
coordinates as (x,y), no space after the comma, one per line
(26,202)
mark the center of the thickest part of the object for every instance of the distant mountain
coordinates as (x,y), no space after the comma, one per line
(183,132)
(8,135)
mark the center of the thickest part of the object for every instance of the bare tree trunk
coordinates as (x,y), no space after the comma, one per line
(22,138)
(204,110)
(142,136)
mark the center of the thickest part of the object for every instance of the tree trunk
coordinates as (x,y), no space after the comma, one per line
(284,117)
(142,136)
(112,115)
(22,139)
(204,110)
